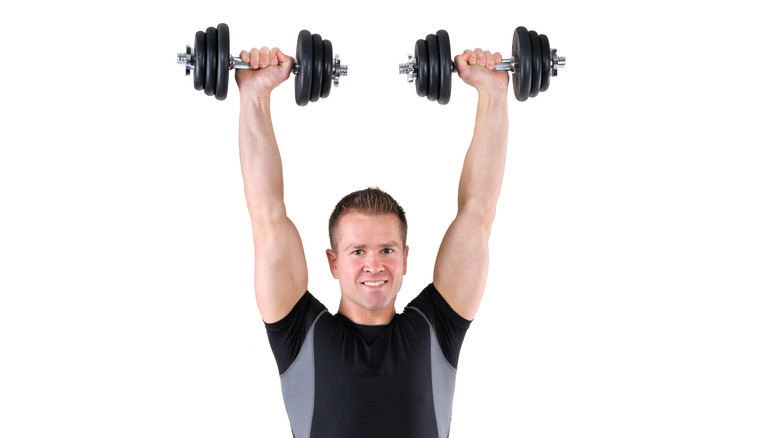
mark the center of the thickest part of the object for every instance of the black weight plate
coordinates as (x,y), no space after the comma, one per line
(223,61)
(423,74)
(521,51)
(199,60)
(445,67)
(536,63)
(210,80)
(546,63)
(303,55)
(433,67)
(327,74)
(317,67)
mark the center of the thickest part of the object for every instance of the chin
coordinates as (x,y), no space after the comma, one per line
(377,301)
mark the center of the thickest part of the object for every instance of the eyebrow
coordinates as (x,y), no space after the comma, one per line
(355,246)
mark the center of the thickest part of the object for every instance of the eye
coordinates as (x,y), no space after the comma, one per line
(387,251)
(358,252)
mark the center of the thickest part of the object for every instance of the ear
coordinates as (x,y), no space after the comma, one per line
(406,256)
(334,269)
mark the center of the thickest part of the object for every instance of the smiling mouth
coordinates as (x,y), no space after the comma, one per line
(374,283)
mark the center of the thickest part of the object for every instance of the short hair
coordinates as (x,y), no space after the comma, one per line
(370,201)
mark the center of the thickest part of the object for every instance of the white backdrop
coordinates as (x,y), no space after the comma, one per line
(633,287)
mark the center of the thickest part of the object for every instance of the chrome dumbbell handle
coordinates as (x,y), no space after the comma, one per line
(238,64)
(235,62)
(556,62)
(338,69)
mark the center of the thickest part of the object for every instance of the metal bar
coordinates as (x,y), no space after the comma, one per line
(504,65)
(238,64)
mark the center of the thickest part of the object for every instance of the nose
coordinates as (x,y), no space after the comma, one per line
(373,265)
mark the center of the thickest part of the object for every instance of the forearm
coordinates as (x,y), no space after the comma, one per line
(261,164)
(483,168)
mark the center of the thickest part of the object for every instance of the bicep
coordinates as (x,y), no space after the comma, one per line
(281,275)
(460,273)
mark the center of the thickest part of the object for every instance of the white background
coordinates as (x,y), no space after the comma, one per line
(634,278)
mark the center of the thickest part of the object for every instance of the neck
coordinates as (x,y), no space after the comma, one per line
(360,315)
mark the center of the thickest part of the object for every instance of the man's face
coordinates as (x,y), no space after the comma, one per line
(369,259)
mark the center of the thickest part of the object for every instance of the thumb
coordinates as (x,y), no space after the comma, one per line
(462,62)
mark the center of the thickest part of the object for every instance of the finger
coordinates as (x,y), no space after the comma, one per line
(473,57)
(274,56)
(264,55)
(244,55)
(480,57)
(254,56)
(497,58)
(489,61)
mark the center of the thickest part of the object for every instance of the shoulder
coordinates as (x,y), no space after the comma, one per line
(304,312)
(434,307)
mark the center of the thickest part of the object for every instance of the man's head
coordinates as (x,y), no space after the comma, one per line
(368,250)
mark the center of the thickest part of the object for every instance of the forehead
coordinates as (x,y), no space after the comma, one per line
(358,228)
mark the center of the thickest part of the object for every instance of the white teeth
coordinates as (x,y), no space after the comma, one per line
(374,283)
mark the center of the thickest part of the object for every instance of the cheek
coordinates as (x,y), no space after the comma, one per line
(351,269)
(397,265)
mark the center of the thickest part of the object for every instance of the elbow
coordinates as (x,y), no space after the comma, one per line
(479,213)
(265,218)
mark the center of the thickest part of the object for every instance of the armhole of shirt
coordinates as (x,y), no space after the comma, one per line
(287,335)
(448,326)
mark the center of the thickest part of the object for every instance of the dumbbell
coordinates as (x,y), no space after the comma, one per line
(209,61)
(533,63)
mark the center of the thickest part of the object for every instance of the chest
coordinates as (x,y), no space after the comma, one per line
(402,350)
(378,383)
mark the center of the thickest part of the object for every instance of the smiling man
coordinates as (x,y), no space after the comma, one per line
(367,371)
(368,234)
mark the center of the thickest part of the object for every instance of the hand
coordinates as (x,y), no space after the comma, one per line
(270,67)
(476,69)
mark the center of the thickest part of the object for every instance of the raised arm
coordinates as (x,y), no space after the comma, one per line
(460,273)
(281,276)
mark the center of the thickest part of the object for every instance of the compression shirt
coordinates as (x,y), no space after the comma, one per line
(346,380)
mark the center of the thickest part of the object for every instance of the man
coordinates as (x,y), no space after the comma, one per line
(367,371)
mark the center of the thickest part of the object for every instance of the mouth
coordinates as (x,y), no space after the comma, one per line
(374,283)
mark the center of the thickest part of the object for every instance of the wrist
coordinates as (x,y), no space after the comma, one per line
(255,98)
(493,94)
